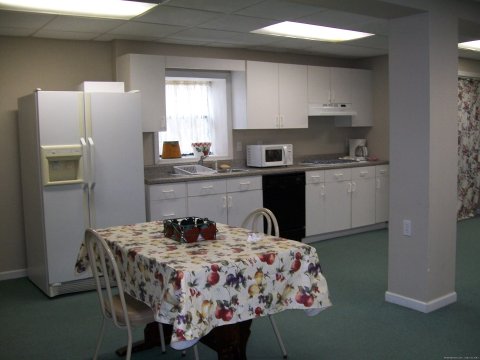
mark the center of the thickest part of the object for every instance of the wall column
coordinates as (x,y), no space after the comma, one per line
(423,63)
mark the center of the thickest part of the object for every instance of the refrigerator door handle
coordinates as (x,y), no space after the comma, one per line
(83,142)
(92,162)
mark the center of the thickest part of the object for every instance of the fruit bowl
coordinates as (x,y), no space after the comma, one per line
(201,148)
(190,229)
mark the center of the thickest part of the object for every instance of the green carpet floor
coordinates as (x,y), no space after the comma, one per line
(360,324)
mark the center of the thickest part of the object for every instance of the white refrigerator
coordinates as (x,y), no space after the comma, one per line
(82,166)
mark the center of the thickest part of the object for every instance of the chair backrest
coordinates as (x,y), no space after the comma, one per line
(103,264)
(269,218)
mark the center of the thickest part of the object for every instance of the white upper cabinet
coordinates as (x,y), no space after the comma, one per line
(147,74)
(361,89)
(292,93)
(343,86)
(275,96)
(329,85)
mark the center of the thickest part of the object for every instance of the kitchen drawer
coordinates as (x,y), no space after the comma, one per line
(336,175)
(381,170)
(366,172)
(168,209)
(244,183)
(208,187)
(315,177)
(167,191)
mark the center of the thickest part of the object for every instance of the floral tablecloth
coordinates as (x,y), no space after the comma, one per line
(198,286)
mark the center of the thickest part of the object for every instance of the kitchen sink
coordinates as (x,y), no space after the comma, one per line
(193,170)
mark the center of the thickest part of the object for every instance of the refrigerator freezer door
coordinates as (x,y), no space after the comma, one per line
(60,117)
(65,223)
(113,122)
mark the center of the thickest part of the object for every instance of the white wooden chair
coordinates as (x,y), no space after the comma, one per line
(122,309)
(251,222)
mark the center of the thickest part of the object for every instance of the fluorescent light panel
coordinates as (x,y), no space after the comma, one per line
(310,32)
(112,9)
(470,45)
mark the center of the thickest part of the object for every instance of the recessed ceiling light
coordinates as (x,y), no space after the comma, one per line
(113,9)
(310,32)
(470,45)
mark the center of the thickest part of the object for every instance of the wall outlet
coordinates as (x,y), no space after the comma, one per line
(407,227)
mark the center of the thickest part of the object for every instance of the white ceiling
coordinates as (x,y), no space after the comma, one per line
(227,23)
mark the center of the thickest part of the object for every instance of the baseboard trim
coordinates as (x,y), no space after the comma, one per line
(14,274)
(335,234)
(421,306)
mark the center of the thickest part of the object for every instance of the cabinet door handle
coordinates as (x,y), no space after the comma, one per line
(207,188)
(230,202)
(322,190)
(354,186)
(168,215)
(378,184)
(169,193)
(339,176)
(224,205)
(363,173)
(244,185)
(349,187)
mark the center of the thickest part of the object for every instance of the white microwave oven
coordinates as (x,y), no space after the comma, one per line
(269,155)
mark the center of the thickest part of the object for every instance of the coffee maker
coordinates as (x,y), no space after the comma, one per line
(358,148)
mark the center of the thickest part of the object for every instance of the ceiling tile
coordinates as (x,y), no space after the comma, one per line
(339,19)
(237,23)
(224,6)
(278,10)
(82,24)
(24,20)
(168,15)
(70,35)
(145,29)
(226,37)
(376,41)
(15,31)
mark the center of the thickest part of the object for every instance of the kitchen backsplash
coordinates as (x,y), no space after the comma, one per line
(321,137)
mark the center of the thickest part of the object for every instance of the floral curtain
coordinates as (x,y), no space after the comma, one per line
(468,147)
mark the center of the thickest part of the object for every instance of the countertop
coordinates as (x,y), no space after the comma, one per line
(163,174)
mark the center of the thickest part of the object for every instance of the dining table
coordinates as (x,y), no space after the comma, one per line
(196,287)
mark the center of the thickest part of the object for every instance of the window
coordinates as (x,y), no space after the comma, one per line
(197,111)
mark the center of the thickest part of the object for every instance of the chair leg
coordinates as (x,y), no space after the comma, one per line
(195,352)
(129,345)
(100,339)
(162,337)
(279,337)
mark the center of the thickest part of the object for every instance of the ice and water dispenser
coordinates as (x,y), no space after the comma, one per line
(62,164)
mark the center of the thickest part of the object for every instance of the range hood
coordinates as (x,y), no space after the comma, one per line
(338,109)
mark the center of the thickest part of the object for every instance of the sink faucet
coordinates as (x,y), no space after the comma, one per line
(202,157)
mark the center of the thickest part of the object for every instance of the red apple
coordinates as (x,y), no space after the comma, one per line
(295,265)
(213,278)
(227,315)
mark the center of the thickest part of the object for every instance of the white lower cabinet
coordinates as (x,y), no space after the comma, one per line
(363,196)
(166,201)
(208,199)
(338,188)
(226,201)
(341,199)
(315,214)
(381,193)
(243,196)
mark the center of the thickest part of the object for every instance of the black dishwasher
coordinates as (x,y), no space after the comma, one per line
(284,195)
